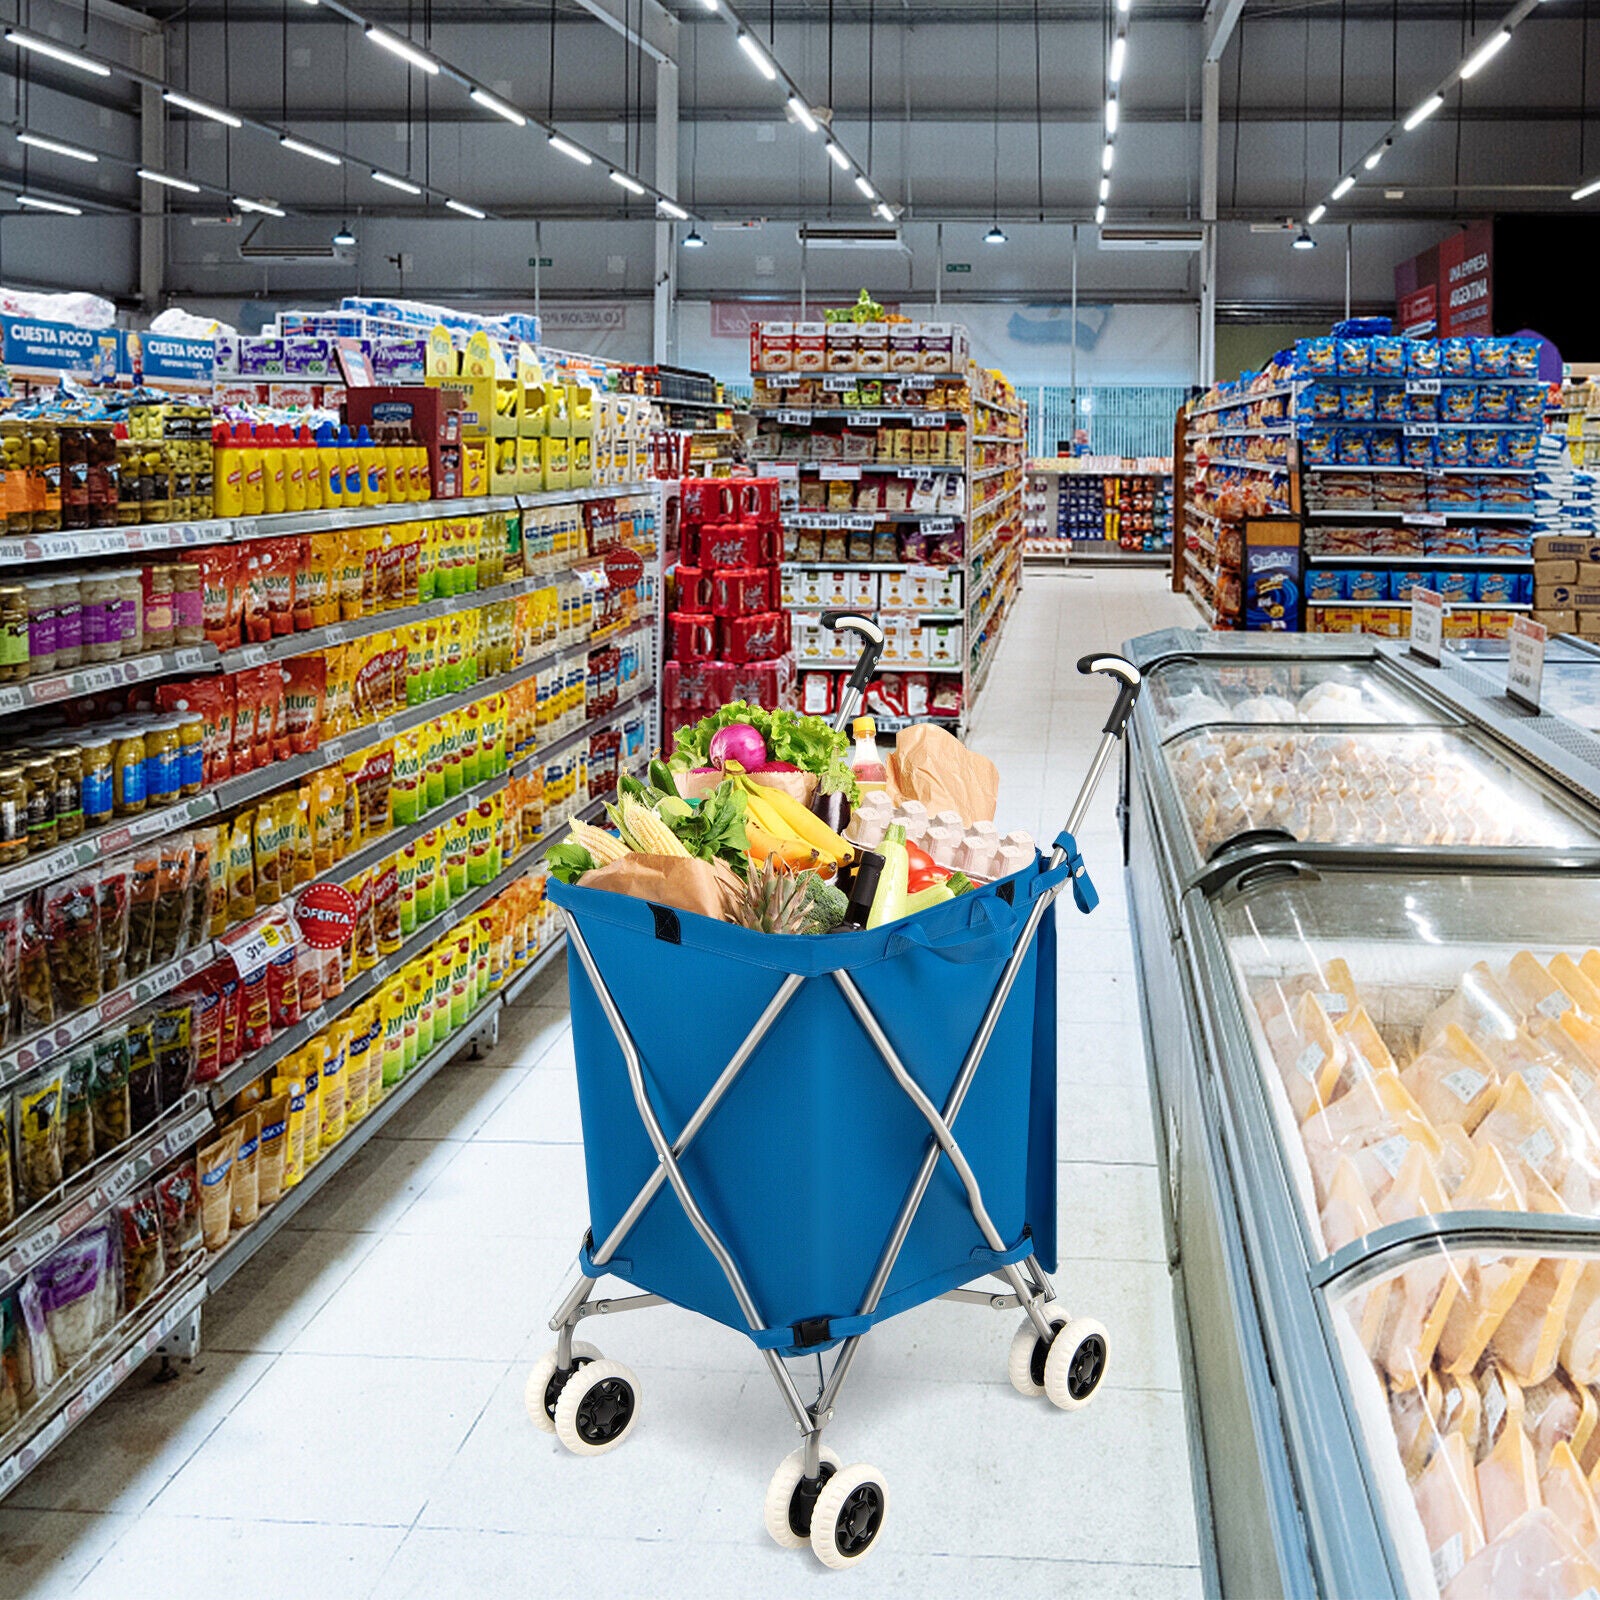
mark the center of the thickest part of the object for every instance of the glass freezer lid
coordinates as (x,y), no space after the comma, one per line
(1372,786)
(1424,1044)
(1195,692)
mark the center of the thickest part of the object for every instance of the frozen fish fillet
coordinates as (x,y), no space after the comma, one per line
(1446,1496)
(1534,1559)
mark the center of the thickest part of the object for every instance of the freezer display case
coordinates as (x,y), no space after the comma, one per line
(1571,686)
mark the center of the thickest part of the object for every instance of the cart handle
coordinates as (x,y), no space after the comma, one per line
(872,637)
(1128,677)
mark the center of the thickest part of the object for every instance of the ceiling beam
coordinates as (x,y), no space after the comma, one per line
(1222,17)
(655,31)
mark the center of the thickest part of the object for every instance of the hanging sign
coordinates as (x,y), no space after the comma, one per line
(1525,661)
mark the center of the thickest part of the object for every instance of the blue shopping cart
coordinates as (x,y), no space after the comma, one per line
(814,1084)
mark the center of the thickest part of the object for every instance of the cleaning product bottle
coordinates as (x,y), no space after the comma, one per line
(394,457)
(227,473)
(418,469)
(332,465)
(294,469)
(374,469)
(866,762)
(889,901)
(351,463)
(274,470)
(250,459)
(312,459)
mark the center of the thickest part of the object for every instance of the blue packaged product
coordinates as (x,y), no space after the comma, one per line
(1496,589)
(1317,358)
(1363,584)
(1324,584)
(1523,358)
(1318,446)
(1401,583)
(1524,587)
(1451,448)
(1455,358)
(1359,402)
(1388,356)
(1491,357)
(1355,447)
(1457,586)
(1422,358)
(1392,403)
(1418,451)
(1384,446)
(1355,357)
(1321,401)
(1486,447)
(1458,403)
(1519,448)
(1422,407)
(1494,402)
(1527,403)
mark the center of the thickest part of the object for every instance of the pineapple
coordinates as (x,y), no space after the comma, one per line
(774,902)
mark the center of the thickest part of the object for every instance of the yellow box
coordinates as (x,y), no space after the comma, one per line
(556,449)
(580,410)
(530,465)
(582,462)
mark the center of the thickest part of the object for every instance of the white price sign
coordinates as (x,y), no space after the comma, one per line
(1427,624)
(800,419)
(1525,661)
(1424,519)
(841,474)
(255,947)
(1422,430)
(1422,386)
(867,419)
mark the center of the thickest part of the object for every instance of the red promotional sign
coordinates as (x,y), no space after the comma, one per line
(325,915)
(623,567)
(1466,282)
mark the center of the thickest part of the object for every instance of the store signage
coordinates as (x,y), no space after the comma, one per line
(1449,288)
(50,348)
(1272,578)
(162,358)
(254,945)
(541,261)
(958,266)
(623,567)
(325,915)
(1427,624)
(1525,661)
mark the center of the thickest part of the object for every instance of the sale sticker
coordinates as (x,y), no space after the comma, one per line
(326,916)
(623,567)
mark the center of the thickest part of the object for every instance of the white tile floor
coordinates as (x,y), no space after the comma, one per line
(356,1428)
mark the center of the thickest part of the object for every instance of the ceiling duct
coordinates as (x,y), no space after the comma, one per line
(815,237)
(1182,239)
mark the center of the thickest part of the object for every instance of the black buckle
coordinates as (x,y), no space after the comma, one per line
(811,1331)
(667,927)
(1007,892)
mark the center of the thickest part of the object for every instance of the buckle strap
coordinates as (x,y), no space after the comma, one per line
(1084,894)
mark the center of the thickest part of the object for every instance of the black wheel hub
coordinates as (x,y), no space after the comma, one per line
(1088,1367)
(605,1411)
(860,1517)
(558,1382)
(803,1502)
(1041,1353)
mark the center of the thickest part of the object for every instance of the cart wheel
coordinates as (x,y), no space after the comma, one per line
(849,1515)
(1025,1365)
(1076,1364)
(788,1510)
(545,1383)
(597,1410)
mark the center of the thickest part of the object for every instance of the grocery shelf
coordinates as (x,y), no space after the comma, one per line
(995,500)
(860,566)
(1419,472)
(1281,391)
(851,471)
(983,474)
(1240,433)
(998,438)
(51,688)
(994,405)
(1498,563)
(1419,382)
(1276,467)
(865,521)
(990,540)
(1449,604)
(1004,592)
(689,405)
(864,415)
(805,664)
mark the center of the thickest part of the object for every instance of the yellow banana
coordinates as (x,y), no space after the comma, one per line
(802,823)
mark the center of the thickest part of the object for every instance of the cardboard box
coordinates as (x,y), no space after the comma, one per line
(1386,621)
(1557,621)
(810,346)
(1589,624)
(1568,597)
(777,346)
(1561,547)
(1548,572)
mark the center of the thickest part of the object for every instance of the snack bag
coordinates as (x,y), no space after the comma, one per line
(304,681)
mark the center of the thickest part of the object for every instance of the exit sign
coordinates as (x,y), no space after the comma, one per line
(958,266)
(541,261)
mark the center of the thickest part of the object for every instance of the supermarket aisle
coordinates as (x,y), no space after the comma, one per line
(355,1426)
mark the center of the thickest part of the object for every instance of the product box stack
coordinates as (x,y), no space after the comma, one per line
(727,636)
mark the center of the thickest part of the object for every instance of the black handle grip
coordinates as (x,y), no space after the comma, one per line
(1129,680)
(872,642)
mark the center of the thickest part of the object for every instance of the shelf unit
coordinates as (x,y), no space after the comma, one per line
(173,1313)
(1047,513)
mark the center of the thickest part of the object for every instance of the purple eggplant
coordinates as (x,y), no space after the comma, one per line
(833,807)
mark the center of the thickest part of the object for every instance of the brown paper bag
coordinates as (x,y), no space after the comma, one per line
(682,882)
(933,766)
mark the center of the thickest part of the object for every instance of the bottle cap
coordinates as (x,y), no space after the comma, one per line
(864,728)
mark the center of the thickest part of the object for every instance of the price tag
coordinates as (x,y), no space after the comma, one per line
(121,1180)
(1424,519)
(380,972)
(255,947)
(449,919)
(1422,430)
(934,419)
(1427,624)
(867,419)
(103,1382)
(837,383)
(315,1021)
(841,474)
(188,657)
(1525,661)
(335,634)
(859,523)
(800,419)
(781,469)
(252,655)
(34,1248)
(1422,386)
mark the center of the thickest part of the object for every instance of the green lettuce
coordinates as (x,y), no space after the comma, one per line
(569,861)
(805,742)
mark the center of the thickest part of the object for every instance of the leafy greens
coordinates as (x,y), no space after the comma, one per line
(569,861)
(805,742)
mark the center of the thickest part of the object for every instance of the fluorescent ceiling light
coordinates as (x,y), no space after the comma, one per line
(1105,188)
(623,181)
(1343,186)
(1316,214)
(56,52)
(264,207)
(1374,158)
(71,151)
(1122,6)
(201,109)
(1107,156)
(405,185)
(1485,53)
(673,210)
(483,98)
(571,150)
(1423,112)
(837,156)
(35,203)
(465,209)
(802,113)
(710,5)
(883,211)
(1587,190)
(300,148)
(747,43)
(1111,115)
(864,185)
(150,175)
(1099,215)
(395,45)
(1119,56)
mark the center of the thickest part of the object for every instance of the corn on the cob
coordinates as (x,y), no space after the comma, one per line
(598,843)
(651,832)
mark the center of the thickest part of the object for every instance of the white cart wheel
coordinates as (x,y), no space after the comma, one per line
(1076,1364)
(1025,1364)
(782,1512)
(849,1515)
(598,1408)
(540,1396)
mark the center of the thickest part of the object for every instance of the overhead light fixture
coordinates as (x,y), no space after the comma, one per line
(1111,115)
(396,46)
(1304,241)
(1587,190)
(623,181)
(1107,156)
(1119,57)
(1122,6)
(1315,215)
(57,52)
(404,185)
(71,151)
(673,210)
(1343,186)
(837,156)
(1376,156)
(710,5)
(582,157)
(36,203)
(1099,215)
(995,235)
(864,184)
(483,98)
(344,235)
(693,241)
(1485,53)
(264,207)
(466,210)
(801,113)
(747,43)
(1105,188)
(884,210)
(301,148)
(1423,112)
(150,175)
(200,109)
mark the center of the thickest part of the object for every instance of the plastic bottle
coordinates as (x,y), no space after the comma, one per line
(332,465)
(250,458)
(866,761)
(274,470)
(418,469)
(374,469)
(351,464)
(313,461)
(227,473)
(294,469)
(394,457)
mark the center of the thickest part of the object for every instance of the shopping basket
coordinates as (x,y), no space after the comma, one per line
(796,1095)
